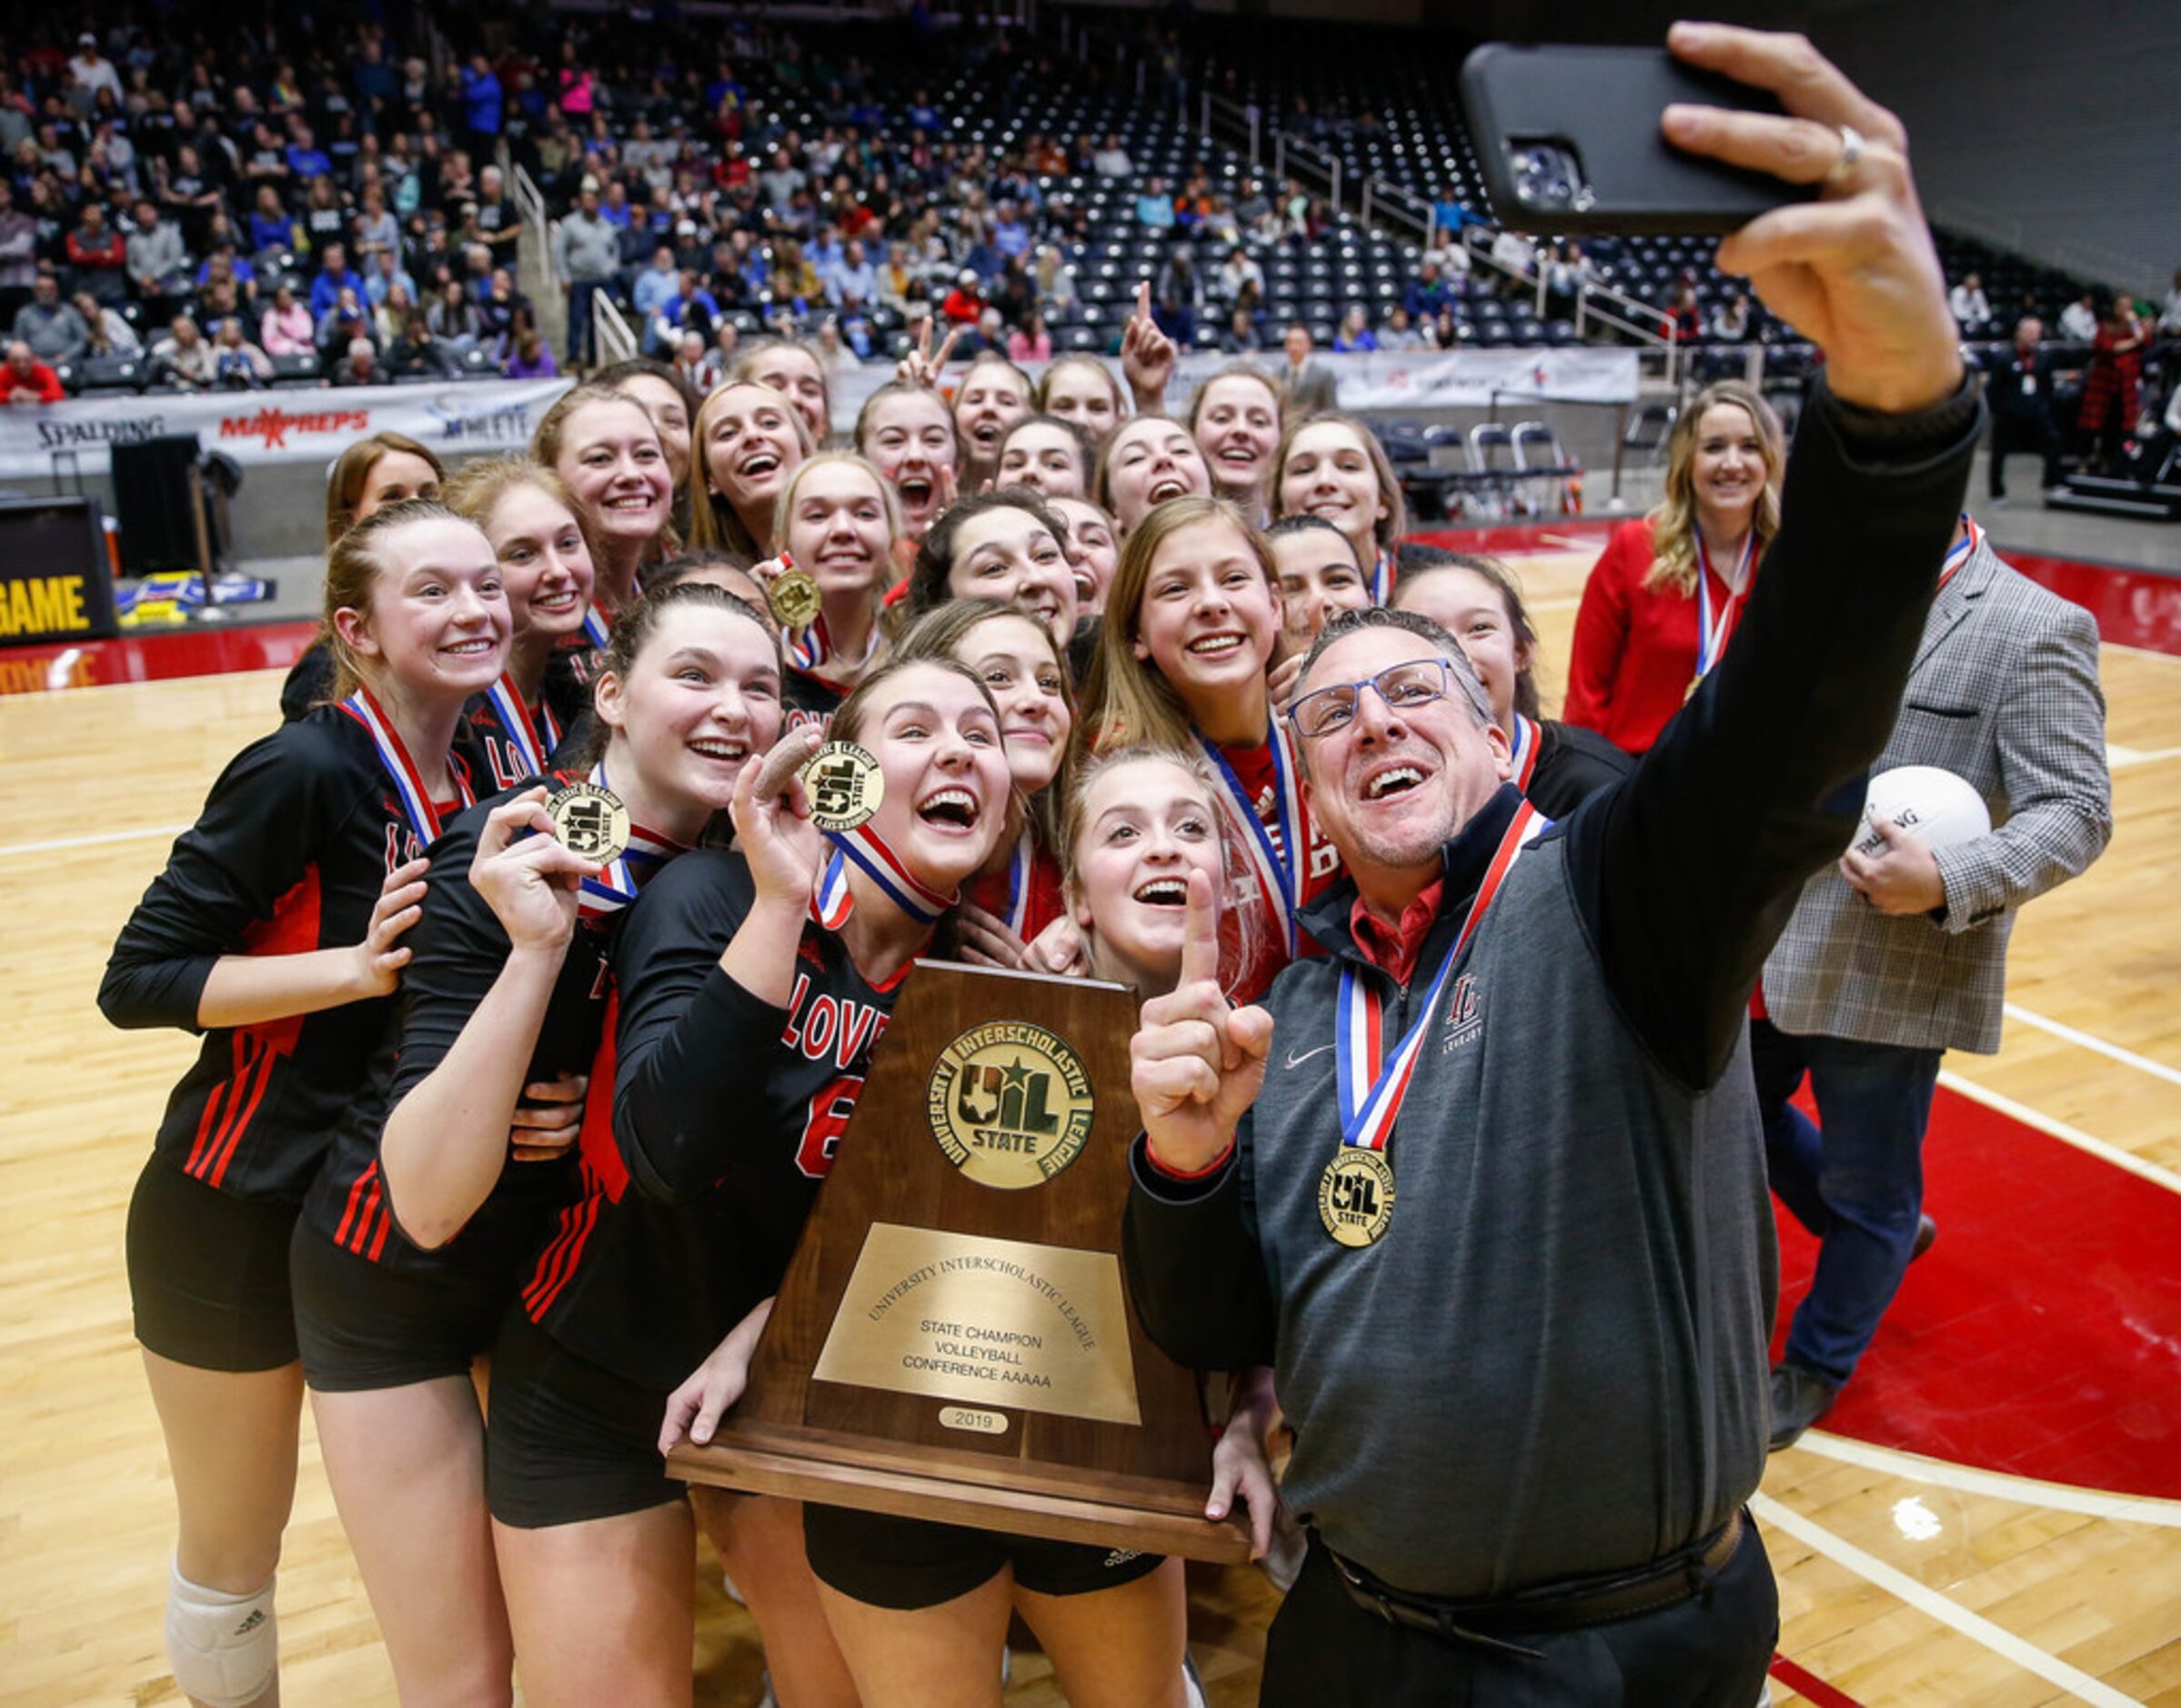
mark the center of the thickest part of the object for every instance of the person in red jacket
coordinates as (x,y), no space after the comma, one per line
(965,302)
(26,379)
(1662,599)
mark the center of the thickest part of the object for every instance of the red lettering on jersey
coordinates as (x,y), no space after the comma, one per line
(818,1033)
(506,770)
(865,1020)
(792,1033)
(828,1119)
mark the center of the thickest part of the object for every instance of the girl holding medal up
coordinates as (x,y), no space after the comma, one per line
(278,930)
(452,1170)
(1017,896)
(754,981)
(1476,600)
(545,569)
(1191,625)
(603,445)
(840,533)
(1333,466)
(1664,596)
(750,440)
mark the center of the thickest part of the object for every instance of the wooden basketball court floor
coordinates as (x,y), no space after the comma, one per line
(1993,1515)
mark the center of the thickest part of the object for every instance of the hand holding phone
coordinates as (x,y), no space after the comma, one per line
(1808,174)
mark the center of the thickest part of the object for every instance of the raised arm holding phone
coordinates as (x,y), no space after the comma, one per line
(1517,1290)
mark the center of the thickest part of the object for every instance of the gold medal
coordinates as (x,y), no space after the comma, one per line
(845,786)
(1355,1197)
(793,595)
(590,821)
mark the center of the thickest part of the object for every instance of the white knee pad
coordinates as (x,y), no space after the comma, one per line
(224,1649)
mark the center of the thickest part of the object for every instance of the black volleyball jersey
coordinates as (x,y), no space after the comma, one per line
(725,1113)
(289,855)
(458,949)
(560,725)
(808,700)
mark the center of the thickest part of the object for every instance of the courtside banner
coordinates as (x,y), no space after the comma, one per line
(455,420)
(277,427)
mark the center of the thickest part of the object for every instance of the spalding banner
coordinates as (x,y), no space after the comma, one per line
(271,426)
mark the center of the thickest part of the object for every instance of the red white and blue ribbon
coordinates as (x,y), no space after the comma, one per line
(864,850)
(812,650)
(1529,739)
(1018,865)
(1281,878)
(1381,577)
(1962,550)
(408,781)
(597,628)
(1712,632)
(1371,1097)
(532,747)
(831,902)
(619,885)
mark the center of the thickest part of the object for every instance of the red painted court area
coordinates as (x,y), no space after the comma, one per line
(2040,1335)
(2134,607)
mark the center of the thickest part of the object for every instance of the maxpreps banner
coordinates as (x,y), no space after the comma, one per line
(273,426)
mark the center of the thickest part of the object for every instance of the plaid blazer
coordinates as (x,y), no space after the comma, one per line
(2004,692)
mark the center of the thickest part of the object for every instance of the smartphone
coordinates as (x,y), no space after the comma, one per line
(1570,142)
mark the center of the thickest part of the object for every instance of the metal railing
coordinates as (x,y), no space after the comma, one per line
(1594,302)
(529,201)
(613,339)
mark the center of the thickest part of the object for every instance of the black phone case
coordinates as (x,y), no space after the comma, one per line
(1602,104)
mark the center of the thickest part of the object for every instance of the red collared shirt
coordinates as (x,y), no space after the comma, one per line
(1393,948)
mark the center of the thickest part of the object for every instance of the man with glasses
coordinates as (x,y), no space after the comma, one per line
(1484,1182)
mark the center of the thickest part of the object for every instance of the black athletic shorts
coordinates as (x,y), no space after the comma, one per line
(208,1272)
(905,1563)
(363,1325)
(567,1441)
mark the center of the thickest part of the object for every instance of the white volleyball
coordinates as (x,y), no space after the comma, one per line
(1935,806)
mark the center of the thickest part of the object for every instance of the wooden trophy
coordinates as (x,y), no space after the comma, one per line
(952,1341)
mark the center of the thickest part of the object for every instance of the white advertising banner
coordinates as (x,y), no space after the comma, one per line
(274,426)
(457,419)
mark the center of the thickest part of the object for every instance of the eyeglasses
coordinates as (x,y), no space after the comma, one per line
(1403,687)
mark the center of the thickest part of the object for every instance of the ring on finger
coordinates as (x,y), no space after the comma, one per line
(1851,151)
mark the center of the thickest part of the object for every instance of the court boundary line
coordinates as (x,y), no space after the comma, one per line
(2090,1041)
(2134,1509)
(1943,1608)
(2053,1128)
(61,844)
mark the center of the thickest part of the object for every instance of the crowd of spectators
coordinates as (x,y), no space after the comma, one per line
(230,209)
(223,205)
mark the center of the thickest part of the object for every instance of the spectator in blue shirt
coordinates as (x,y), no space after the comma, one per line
(923,116)
(1154,207)
(854,280)
(1354,335)
(482,102)
(658,284)
(306,159)
(332,278)
(613,207)
(244,274)
(1427,293)
(1451,213)
(1010,236)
